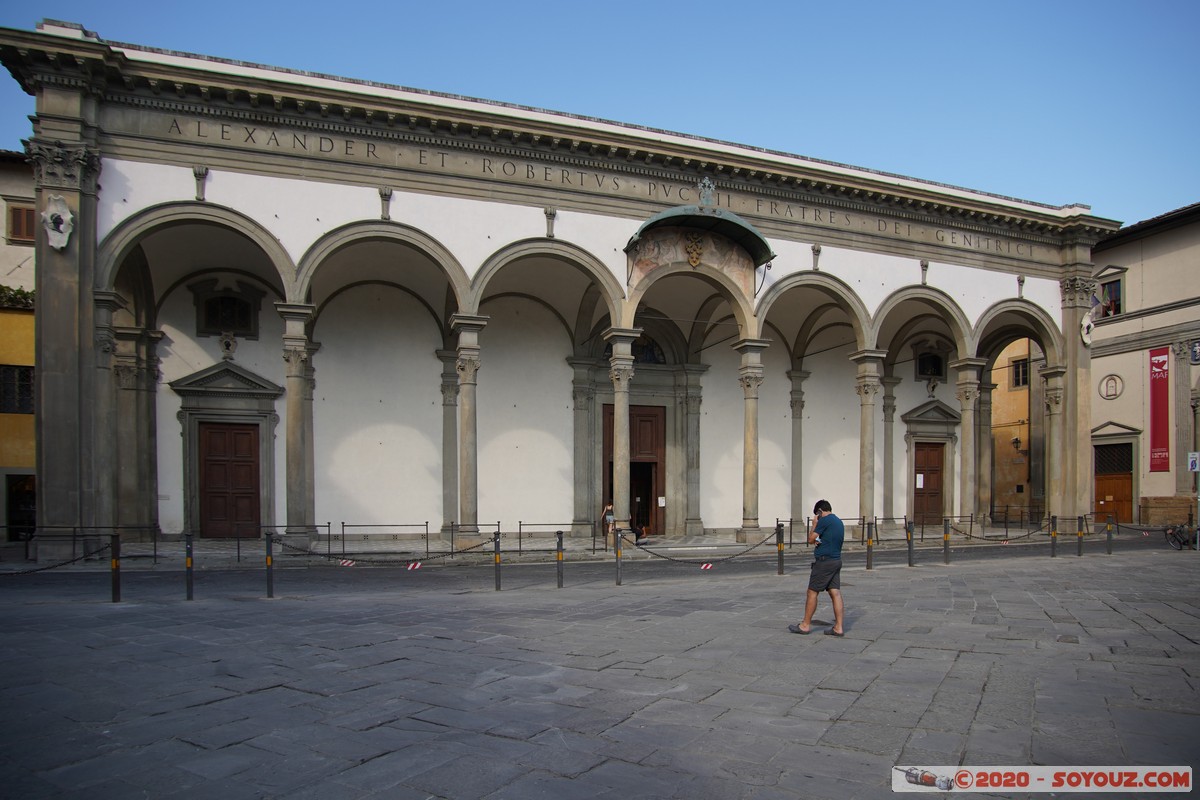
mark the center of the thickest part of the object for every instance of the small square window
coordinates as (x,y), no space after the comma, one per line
(16,389)
(1019,373)
(1109,296)
(226,311)
(22,224)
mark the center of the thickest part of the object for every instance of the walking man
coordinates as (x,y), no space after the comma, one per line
(826,575)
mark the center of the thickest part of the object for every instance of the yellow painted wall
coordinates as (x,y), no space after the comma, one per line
(16,440)
(17,448)
(16,337)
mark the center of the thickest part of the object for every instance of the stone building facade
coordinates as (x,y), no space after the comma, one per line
(271,300)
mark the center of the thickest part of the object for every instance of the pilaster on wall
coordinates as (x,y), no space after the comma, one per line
(67,350)
(1076,464)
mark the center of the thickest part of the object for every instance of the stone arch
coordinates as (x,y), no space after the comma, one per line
(1039,322)
(839,291)
(126,236)
(747,322)
(610,290)
(948,310)
(377,230)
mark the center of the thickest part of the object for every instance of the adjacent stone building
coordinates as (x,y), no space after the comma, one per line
(271,299)
(1146,369)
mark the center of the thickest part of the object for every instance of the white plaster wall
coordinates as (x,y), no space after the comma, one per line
(525,412)
(377,411)
(721,424)
(127,187)
(831,413)
(604,237)
(182,353)
(774,438)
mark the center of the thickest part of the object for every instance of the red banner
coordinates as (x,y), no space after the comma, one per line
(1160,410)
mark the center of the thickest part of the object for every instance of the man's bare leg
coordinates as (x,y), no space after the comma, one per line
(810,608)
(839,610)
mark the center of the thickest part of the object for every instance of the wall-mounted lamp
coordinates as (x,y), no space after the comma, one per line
(1016,442)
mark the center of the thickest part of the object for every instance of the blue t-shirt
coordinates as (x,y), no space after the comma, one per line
(831,531)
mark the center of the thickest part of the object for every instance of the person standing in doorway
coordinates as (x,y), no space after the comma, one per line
(826,575)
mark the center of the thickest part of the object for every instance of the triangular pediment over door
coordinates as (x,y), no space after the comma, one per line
(227,402)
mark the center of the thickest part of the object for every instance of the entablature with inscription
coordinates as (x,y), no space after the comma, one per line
(206,88)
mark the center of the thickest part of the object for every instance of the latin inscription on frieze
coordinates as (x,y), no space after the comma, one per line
(465,164)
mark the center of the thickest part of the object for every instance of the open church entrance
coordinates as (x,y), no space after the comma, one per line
(647,479)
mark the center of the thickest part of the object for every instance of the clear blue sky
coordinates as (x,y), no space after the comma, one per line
(1055,101)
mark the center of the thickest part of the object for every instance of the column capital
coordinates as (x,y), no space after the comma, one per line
(64,166)
(1077,291)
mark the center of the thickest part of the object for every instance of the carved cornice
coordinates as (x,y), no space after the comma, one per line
(279,97)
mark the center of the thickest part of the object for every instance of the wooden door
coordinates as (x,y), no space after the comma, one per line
(1114,495)
(647,449)
(229,475)
(928,503)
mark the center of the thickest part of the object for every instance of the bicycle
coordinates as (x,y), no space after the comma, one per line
(1181,536)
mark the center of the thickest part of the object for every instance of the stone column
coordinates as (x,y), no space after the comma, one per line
(467,328)
(984,463)
(297,350)
(1055,483)
(967,392)
(796,403)
(621,374)
(750,376)
(449,359)
(889,447)
(586,506)
(66,166)
(1184,479)
(867,385)
(693,522)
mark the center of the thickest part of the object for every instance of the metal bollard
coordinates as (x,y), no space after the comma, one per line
(496,545)
(1079,535)
(559,555)
(1108,526)
(946,540)
(617,552)
(870,545)
(908,531)
(270,564)
(115,539)
(187,539)
(1053,536)
(779,544)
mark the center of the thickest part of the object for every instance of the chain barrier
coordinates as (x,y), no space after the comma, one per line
(83,557)
(381,561)
(664,557)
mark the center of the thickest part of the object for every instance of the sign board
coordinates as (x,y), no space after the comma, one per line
(1193,462)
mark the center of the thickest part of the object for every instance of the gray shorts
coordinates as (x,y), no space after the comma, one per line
(826,574)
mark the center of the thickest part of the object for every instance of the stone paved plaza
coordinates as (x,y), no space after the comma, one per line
(679,683)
